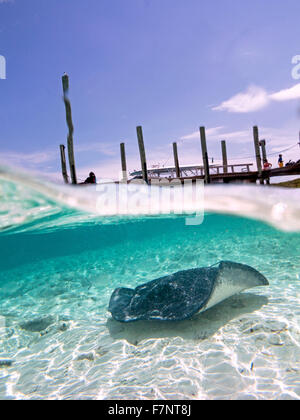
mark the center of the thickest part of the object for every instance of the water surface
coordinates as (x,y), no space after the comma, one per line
(60,262)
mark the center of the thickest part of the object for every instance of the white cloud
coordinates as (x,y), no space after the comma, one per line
(217,133)
(256,98)
(235,136)
(196,134)
(107,149)
(253,99)
(287,94)
(28,159)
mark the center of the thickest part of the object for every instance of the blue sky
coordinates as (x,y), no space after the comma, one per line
(168,65)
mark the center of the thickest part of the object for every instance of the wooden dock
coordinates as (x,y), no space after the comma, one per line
(240,173)
(225,173)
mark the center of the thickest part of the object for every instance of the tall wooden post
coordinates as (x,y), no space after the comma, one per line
(176,161)
(204,155)
(264,155)
(63,163)
(262,144)
(224,155)
(65,82)
(257,154)
(142,153)
(123,162)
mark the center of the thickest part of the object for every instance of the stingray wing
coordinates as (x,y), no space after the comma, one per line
(173,298)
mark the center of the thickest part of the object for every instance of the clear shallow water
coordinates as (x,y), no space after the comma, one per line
(60,265)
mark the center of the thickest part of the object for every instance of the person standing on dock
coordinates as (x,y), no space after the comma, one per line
(267,165)
(280,161)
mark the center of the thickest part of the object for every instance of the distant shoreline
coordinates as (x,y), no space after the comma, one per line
(295,183)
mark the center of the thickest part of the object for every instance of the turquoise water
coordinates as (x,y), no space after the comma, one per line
(60,264)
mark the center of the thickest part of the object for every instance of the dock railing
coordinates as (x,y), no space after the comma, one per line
(186,172)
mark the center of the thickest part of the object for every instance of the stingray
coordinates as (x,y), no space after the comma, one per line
(182,295)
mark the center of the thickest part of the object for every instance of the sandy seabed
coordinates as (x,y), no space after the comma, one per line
(59,342)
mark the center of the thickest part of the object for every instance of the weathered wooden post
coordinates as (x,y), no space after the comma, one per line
(63,163)
(142,153)
(65,82)
(257,154)
(204,155)
(264,155)
(176,161)
(262,144)
(224,155)
(123,162)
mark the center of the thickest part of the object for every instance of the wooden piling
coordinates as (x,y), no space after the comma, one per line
(123,162)
(63,163)
(257,154)
(176,160)
(264,155)
(262,144)
(224,155)
(204,155)
(65,83)
(142,153)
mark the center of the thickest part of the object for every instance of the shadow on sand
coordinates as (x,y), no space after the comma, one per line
(201,327)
